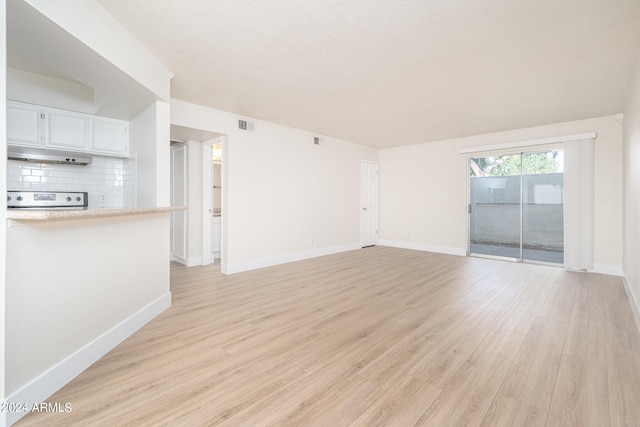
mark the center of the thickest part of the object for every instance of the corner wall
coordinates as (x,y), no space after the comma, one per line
(285,198)
(149,145)
(632,194)
(423,190)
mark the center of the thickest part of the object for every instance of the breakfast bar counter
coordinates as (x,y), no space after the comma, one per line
(54,215)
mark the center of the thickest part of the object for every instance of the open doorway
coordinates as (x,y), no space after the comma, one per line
(212,200)
(201,232)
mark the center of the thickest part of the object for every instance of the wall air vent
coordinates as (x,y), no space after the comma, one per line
(245,125)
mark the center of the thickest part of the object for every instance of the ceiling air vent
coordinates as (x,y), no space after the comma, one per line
(245,125)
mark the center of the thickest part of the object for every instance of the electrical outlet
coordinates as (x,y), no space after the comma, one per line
(103,198)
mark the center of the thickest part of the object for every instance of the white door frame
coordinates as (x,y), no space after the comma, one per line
(207,202)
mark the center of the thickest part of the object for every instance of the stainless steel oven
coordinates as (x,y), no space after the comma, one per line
(47,200)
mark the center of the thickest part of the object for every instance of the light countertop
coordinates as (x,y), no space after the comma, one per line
(37,215)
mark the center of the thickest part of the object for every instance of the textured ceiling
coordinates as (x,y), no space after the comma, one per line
(390,73)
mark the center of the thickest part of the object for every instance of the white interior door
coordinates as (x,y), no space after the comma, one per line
(179,198)
(368,203)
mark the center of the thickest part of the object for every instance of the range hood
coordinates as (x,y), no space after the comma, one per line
(39,155)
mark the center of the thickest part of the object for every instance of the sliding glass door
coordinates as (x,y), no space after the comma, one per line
(495,206)
(543,207)
(516,206)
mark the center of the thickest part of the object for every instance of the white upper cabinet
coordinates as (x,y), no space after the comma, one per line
(66,130)
(109,136)
(35,126)
(24,125)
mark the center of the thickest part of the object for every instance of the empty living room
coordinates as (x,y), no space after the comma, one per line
(398,213)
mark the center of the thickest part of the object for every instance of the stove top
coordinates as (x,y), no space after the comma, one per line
(47,200)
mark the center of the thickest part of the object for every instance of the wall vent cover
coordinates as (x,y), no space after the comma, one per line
(245,125)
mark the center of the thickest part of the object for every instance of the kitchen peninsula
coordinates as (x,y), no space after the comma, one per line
(77,287)
(52,215)
(78,283)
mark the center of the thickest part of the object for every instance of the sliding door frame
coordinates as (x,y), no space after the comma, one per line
(579,187)
(520,151)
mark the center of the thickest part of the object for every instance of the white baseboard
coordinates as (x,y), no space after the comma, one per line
(239,267)
(56,377)
(611,270)
(189,262)
(422,247)
(633,300)
(194,260)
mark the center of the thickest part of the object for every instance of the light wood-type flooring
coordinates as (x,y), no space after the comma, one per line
(378,336)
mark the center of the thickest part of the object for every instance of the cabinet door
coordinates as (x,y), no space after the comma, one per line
(109,137)
(23,125)
(67,130)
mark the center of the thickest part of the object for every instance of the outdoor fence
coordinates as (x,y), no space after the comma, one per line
(496,211)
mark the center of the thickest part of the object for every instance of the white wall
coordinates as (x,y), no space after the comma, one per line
(87,21)
(632,194)
(163,154)
(45,321)
(281,191)
(49,91)
(423,190)
(149,144)
(3,189)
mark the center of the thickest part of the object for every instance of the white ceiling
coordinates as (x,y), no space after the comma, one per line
(390,73)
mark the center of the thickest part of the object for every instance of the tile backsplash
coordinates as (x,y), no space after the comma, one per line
(110,182)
